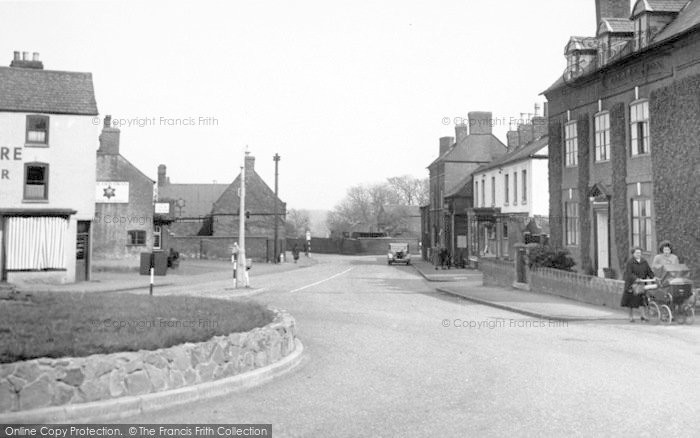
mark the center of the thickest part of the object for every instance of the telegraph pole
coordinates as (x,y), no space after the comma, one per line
(241,274)
(276,159)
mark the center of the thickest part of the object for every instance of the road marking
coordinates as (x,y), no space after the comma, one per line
(322,281)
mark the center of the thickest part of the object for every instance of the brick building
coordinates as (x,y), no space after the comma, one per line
(123,225)
(624,126)
(47,172)
(450,182)
(260,204)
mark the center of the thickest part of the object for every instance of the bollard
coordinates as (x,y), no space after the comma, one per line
(150,292)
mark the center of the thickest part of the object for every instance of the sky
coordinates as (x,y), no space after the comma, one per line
(347,92)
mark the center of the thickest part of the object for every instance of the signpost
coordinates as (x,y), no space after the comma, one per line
(241,274)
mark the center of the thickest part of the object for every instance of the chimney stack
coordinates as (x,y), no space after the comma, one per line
(480,122)
(445,144)
(461,132)
(611,9)
(25,62)
(540,127)
(525,134)
(109,139)
(162,178)
(249,163)
(512,140)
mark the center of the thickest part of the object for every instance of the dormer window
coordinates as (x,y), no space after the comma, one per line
(641,32)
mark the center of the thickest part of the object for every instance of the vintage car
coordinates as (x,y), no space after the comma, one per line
(398,253)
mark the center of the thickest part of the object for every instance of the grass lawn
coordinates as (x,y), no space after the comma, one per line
(75,325)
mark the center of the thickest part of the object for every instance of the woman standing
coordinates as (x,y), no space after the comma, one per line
(664,257)
(636,269)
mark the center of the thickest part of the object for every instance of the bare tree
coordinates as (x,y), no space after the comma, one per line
(297,223)
(409,189)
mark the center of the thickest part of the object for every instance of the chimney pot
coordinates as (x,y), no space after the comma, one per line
(16,56)
(25,56)
(35,56)
(108,121)
(461,132)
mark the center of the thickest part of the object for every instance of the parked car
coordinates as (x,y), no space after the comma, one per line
(398,253)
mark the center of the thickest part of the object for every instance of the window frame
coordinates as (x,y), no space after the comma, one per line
(638,127)
(571,144)
(493,191)
(34,143)
(524,186)
(157,237)
(515,187)
(644,225)
(43,165)
(130,241)
(506,180)
(572,230)
(602,151)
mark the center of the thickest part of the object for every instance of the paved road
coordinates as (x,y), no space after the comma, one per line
(380,361)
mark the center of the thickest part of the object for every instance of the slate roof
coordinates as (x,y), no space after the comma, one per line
(472,142)
(687,20)
(523,153)
(616,25)
(199,198)
(659,6)
(46,91)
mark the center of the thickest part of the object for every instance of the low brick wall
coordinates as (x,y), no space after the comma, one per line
(260,249)
(40,383)
(379,246)
(579,287)
(497,272)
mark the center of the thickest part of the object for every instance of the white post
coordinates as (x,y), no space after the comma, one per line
(241,274)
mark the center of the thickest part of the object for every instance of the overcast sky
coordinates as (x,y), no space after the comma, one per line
(347,92)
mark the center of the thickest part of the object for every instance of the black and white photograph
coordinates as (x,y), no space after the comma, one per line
(258,218)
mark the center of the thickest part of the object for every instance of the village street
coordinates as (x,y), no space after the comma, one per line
(383,357)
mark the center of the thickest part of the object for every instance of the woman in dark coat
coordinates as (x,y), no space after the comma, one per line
(636,268)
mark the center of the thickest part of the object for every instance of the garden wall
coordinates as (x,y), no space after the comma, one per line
(497,272)
(379,246)
(40,383)
(579,287)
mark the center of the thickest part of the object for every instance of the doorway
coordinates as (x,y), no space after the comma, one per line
(82,252)
(602,241)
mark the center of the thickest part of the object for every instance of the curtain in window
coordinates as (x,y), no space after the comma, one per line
(35,243)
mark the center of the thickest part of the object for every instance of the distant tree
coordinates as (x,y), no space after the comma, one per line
(375,207)
(410,190)
(297,223)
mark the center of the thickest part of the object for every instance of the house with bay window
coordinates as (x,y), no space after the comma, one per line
(624,123)
(48,139)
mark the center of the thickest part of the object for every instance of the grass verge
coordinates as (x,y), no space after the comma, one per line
(75,325)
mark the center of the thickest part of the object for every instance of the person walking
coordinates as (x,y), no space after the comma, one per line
(636,269)
(295,252)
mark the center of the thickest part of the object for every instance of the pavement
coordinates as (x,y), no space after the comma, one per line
(467,283)
(214,274)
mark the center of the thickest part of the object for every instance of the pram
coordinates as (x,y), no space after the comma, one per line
(670,296)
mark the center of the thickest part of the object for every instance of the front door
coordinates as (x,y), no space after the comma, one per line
(602,242)
(82,251)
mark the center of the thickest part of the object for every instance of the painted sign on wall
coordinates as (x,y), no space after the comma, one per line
(112,192)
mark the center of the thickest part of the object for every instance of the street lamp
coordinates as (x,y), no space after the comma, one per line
(276,159)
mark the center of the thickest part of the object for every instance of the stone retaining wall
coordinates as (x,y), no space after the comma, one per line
(579,287)
(40,383)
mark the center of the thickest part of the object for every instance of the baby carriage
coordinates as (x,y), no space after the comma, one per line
(670,296)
